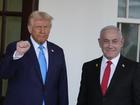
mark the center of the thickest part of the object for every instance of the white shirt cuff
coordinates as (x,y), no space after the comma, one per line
(16,55)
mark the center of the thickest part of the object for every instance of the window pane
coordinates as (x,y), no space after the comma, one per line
(134,9)
(0,29)
(0,24)
(130,33)
(1,4)
(121,8)
(4,87)
(14,5)
(13,29)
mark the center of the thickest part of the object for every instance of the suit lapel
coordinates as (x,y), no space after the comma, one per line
(51,57)
(98,70)
(34,61)
(120,69)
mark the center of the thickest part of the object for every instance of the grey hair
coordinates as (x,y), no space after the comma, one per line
(111,27)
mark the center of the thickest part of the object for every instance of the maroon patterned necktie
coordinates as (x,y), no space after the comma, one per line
(105,79)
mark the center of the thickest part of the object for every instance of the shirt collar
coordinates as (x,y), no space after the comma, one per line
(36,45)
(114,60)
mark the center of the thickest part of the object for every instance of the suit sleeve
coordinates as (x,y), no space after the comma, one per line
(82,97)
(136,86)
(7,64)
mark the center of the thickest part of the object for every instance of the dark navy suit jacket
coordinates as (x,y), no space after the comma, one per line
(124,88)
(25,85)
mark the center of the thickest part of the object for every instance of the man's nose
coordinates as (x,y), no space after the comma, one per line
(110,43)
(42,30)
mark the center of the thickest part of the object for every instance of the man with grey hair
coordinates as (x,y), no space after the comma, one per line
(111,79)
(36,68)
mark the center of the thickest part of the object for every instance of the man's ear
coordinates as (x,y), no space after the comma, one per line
(99,41)
(29,29)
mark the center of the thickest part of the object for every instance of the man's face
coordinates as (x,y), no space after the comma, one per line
(39,29)
(111,43)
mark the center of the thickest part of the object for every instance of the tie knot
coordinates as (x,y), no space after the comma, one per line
(41,47)
(109,62)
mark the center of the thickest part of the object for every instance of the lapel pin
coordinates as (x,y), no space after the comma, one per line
(52,50)
(123,65)
(96,65)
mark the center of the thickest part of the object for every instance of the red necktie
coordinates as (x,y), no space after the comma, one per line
(106,77)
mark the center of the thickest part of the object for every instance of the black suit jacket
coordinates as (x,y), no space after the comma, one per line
(25,86)
(124,88)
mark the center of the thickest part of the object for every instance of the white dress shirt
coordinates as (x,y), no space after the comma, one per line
(36,47)
(113,67)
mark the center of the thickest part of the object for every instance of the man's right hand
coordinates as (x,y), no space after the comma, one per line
(22,47)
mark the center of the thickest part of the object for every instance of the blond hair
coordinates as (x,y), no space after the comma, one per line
(39,15)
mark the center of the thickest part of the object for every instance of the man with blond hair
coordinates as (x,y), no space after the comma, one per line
(36,67)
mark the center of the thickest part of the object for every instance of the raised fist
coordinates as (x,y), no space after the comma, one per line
(22,47)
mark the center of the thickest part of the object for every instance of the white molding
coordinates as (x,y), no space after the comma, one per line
(128,20)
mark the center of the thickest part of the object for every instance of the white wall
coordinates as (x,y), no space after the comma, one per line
(76,27)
